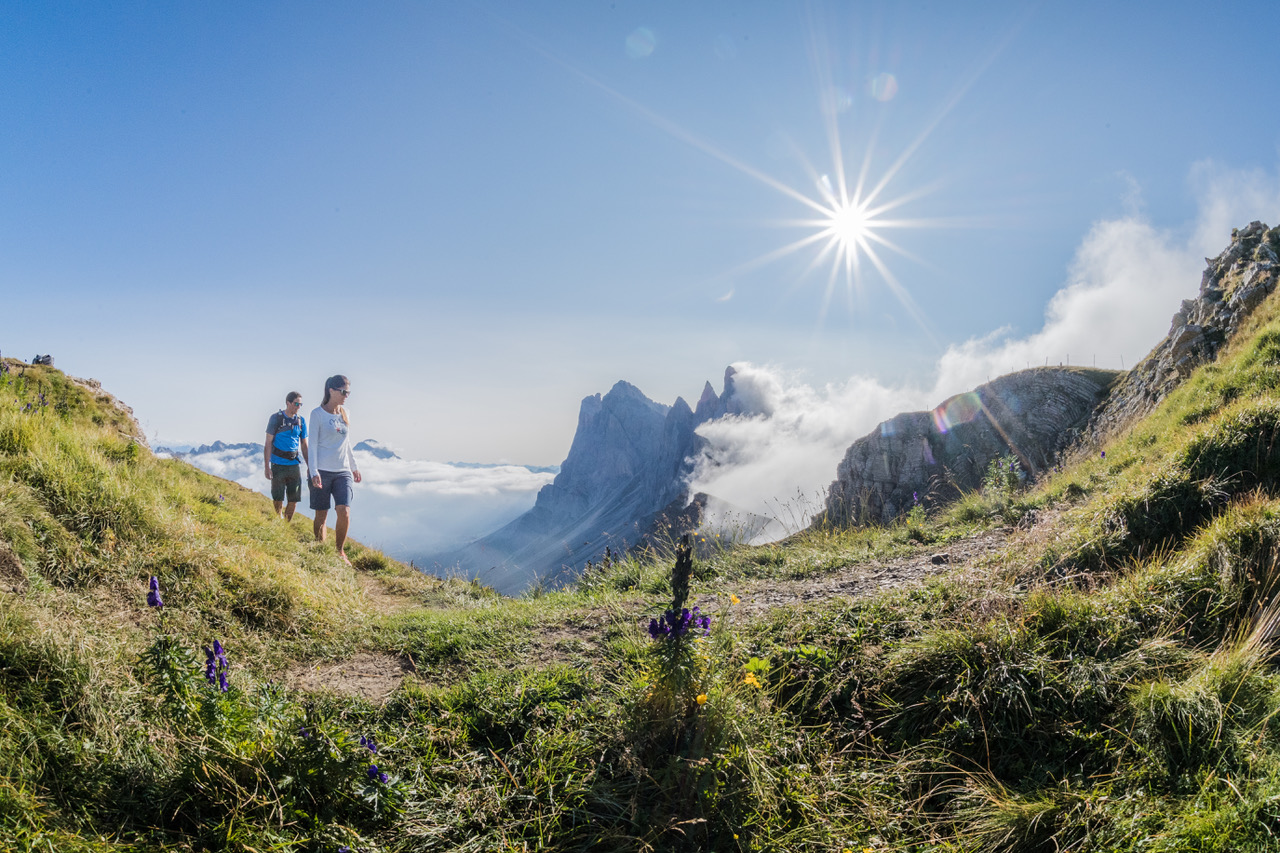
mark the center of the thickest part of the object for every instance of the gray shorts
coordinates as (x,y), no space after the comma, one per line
(335,483)
(286,480)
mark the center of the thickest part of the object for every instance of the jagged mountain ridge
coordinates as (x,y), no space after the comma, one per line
(629,462)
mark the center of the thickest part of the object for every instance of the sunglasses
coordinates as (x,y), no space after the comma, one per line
(346,392)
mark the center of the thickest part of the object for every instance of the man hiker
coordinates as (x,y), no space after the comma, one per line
(286,443)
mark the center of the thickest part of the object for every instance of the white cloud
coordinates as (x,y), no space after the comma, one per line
(1124,284)
(409,508)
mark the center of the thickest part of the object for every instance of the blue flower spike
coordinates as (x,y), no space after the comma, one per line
(216,666)
(672,624)
(153,596)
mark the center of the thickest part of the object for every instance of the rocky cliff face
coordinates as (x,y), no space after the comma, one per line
(1032,414)
(630,460)
(1039,414)
(1233,284)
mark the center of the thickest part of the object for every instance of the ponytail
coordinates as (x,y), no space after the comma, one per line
(336,381)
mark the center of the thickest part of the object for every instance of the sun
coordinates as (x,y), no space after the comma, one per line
(846,223)
(850,226)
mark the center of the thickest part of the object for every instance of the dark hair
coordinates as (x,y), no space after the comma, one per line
(291,396)
(329,384)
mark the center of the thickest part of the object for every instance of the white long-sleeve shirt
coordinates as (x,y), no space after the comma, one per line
(330,441)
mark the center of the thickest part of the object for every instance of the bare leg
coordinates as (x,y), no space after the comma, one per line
(344,521)
(317,526)
(288,511)
(277,505)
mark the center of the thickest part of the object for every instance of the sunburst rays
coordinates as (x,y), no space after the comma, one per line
(847,221)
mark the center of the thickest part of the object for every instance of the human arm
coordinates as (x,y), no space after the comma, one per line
(266,454)
(313,433)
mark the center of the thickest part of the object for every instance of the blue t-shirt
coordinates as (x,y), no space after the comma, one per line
(288,433)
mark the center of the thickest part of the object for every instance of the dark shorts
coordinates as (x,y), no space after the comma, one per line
(286,479)
(335,483)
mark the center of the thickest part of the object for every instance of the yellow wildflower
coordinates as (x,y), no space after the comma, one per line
(750,680)
(702,698)
(733,599)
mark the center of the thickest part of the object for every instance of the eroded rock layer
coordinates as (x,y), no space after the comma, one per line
(936,455)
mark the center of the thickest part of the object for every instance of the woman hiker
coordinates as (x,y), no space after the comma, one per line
(332,465)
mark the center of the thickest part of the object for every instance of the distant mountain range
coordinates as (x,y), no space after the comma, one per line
(376,449)
(409,508)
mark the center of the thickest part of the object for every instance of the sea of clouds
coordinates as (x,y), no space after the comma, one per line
(406,507)
(1124,284)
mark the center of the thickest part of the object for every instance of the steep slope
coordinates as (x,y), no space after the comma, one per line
(1232,286)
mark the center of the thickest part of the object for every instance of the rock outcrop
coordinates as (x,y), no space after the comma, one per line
(936,455)
(1233,284)
(629,462)
(1039,414)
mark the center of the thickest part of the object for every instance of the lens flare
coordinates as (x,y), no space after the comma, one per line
(641,43)
(883,87)
(960,409)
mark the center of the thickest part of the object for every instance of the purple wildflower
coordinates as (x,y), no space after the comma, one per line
(376,774)
(1104,454)
(153,597)
(369,744)
(303,733)
(678,624)
(216,666)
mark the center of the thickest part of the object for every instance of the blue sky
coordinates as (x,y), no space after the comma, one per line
(482,212)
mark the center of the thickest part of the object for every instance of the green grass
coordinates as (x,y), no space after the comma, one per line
(1109,684)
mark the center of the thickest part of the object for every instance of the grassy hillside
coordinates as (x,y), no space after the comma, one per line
(1105,683)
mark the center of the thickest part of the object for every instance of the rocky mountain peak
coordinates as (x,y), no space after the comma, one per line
(629,461)
(707,401)
(377,449)
(1232,285)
